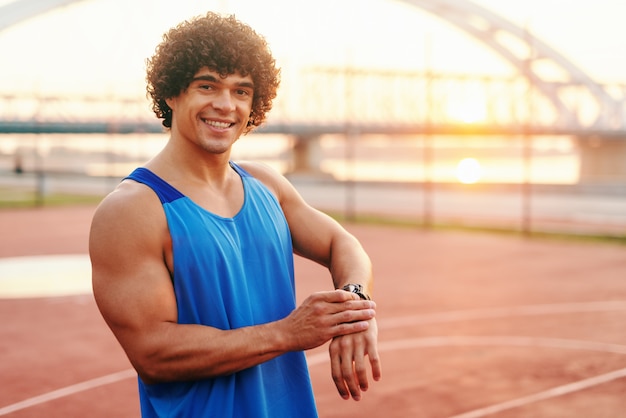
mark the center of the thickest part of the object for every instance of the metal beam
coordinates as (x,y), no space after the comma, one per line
(20,10)
(305,130)
(485,26)
(97,127)
(475,20)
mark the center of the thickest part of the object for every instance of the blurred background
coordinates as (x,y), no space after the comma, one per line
(491,113)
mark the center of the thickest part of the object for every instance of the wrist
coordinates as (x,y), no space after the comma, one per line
(356,289)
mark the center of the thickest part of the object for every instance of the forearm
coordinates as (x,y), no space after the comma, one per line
(172,351)
(203,352)
(350,264)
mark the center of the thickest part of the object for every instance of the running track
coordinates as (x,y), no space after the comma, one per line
(471,325)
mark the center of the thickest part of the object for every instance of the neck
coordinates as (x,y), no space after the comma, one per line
(179,164)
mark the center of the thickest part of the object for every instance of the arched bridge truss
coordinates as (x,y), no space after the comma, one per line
(497,33)
(517,46)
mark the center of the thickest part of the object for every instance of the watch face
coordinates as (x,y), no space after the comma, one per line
(356,288)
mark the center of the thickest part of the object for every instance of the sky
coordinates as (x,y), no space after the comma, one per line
(99,47)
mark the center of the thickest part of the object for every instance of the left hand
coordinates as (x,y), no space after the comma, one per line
(348,364)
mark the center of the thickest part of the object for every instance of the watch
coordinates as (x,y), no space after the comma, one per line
(356,288)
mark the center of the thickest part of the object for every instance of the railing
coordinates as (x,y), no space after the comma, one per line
(407,180)
(333,100)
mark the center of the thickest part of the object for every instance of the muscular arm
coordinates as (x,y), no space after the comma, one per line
(317,236)
(130,252)
(320,238)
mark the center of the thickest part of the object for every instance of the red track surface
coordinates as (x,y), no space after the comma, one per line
(468,322)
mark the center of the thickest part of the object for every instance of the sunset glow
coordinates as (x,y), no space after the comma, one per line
(468,171)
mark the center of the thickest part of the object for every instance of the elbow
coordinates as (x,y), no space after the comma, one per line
(151,368)
(149,373)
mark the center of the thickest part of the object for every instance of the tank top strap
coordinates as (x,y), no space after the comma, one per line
(243,173)
(163,189)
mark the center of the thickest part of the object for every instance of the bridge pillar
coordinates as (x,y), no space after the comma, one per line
(602,160)
(307,157)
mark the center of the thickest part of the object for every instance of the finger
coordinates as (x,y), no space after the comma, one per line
(347,328)
(336,296)
(335,370)
(349,296)
(360,368)
(353,316)
(347,368)
(372,351)
(357,304)
(375,364)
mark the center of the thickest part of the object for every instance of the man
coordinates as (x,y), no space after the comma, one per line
(192,254)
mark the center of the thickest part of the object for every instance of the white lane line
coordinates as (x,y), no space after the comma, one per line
(504,340)
(68,391)
(461,341)
(524,310)
(517,341)
(547,394)
(319,358)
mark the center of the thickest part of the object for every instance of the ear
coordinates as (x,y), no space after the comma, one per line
(171,102)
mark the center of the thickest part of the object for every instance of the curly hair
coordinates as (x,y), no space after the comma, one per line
(224,45)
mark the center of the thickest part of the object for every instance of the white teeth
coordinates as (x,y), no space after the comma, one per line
(220,125)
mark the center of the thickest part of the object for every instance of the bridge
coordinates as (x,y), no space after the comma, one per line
(332,100)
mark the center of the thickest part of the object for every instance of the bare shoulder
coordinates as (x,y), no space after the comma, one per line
(259,170)
(272,179)
(130,213)
(130,201)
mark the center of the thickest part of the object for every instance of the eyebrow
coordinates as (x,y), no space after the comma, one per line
(213,79)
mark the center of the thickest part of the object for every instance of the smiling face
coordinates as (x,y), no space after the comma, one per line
(213,111)
(223,44)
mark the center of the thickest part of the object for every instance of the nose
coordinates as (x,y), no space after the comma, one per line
(223,101)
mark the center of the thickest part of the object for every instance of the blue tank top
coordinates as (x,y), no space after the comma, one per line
(231,273)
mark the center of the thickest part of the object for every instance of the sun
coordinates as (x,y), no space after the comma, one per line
(468,171)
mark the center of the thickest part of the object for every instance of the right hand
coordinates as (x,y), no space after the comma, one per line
(325,315)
